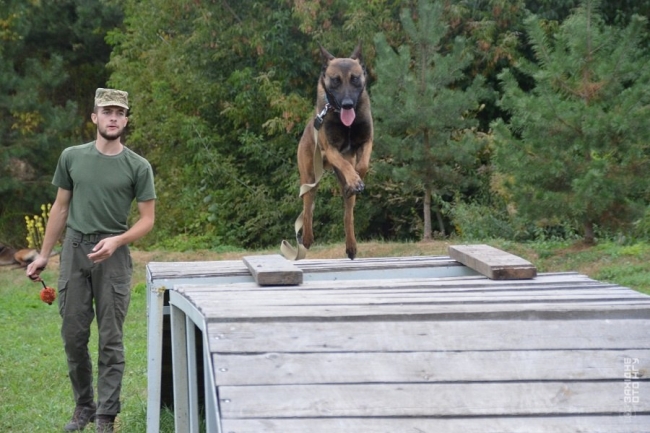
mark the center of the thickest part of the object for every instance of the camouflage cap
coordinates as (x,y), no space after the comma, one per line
(111,97)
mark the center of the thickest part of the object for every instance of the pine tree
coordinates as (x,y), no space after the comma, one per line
(52,57)
(577,148)
(424,109)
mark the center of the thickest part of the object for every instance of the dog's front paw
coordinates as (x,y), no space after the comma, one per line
(356,188)
(351,252)
(306,240)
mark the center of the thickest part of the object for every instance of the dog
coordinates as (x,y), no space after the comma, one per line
(20,258)
(25,256)
(6,255)
(343,129)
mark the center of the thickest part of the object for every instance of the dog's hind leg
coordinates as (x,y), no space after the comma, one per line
(348,223)
(307,176)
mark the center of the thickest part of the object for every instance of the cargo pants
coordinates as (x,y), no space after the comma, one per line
(87,290)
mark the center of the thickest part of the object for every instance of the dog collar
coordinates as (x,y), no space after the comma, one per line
(318,121)
(333,106)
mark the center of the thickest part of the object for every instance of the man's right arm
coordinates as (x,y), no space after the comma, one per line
(55,225)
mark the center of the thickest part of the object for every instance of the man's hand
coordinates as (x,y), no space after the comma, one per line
(104,249)
(35,268)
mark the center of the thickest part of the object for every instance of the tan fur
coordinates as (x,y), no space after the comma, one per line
(25,256)
(345,149)
(7,255)
(20,258)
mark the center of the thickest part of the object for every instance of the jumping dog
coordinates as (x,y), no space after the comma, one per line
(343,130)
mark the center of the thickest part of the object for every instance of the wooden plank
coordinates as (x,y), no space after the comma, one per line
(560,281)
(181,374)
(273,270)
(400,336)
(493,262)
(375,263)
(416,367)
(439,400)
(579,424)
(480,285)
(253,300)
(198,269)
(207,269)
(613,309)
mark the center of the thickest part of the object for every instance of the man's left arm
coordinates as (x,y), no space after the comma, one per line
(106,247)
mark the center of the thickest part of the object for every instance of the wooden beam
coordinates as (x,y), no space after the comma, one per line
(547,424)
(493,262)
(466,399)
(273,270)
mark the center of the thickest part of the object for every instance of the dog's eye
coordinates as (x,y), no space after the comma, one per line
(335,81)
(356,80)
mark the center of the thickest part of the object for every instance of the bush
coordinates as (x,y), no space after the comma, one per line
(641,227)
(473,221)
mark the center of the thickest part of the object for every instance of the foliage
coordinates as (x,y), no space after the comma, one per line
(474,221)
(36,227)
(220,92)
(619,12)
(641,227)
(52,58)
(425,108)
(576,147)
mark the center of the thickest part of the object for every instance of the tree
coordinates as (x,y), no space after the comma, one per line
(577,147)
(619,12)
(52,57)
(221,93)
(424,108)
(218,97)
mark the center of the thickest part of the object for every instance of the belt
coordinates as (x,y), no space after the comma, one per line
(90,238)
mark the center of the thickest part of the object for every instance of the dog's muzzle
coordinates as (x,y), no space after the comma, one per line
(347,104)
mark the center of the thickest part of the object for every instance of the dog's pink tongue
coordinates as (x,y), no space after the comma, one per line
(347,116)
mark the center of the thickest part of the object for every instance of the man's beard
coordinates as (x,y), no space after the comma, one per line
(110,137)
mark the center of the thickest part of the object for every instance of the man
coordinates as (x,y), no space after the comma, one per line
(97,182)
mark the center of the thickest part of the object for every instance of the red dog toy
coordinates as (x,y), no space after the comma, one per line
(48,294)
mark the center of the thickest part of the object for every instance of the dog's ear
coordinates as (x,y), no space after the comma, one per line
(325,55)
(356,54)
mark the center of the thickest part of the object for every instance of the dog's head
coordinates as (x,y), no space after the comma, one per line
(343,81)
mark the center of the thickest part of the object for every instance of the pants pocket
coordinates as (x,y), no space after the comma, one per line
(121,287)
(63,292)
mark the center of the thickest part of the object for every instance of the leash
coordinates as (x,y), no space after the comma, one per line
(300,252)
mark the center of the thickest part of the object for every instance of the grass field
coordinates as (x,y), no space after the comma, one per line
(35,394)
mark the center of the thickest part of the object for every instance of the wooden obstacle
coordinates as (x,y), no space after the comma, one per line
(492,262)
(427,345)
(163,276)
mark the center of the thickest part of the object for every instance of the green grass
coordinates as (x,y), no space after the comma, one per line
(35,394)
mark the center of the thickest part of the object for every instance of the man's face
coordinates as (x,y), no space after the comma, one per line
(110,121)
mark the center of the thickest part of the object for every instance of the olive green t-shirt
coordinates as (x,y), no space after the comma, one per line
(103,187)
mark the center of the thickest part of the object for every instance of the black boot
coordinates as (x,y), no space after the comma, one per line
(83,414)
(105,423)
